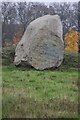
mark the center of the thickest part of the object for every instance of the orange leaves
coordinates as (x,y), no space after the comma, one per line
(17,37)
(71,40)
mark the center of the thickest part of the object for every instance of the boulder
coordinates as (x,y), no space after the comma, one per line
(42,44)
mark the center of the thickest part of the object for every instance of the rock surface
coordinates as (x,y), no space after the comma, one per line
(42,45)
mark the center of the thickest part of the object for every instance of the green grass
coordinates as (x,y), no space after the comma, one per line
(29,93)
(0,88)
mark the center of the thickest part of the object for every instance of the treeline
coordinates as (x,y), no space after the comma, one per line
(17,16)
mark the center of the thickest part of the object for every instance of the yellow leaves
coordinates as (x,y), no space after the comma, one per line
(71,40)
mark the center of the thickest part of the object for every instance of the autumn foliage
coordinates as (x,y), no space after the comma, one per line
(17,37)
(71,40)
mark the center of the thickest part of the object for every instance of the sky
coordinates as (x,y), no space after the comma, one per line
(39,0)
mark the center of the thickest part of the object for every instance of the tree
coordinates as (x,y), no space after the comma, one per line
(79,27)
(23,13)
(9,14)
(71,40)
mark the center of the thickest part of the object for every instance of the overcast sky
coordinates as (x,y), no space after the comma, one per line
(39,0)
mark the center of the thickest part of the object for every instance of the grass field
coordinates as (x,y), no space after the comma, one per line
(29,93)
(0,88)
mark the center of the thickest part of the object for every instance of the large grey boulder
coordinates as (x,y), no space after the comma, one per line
(42,44)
